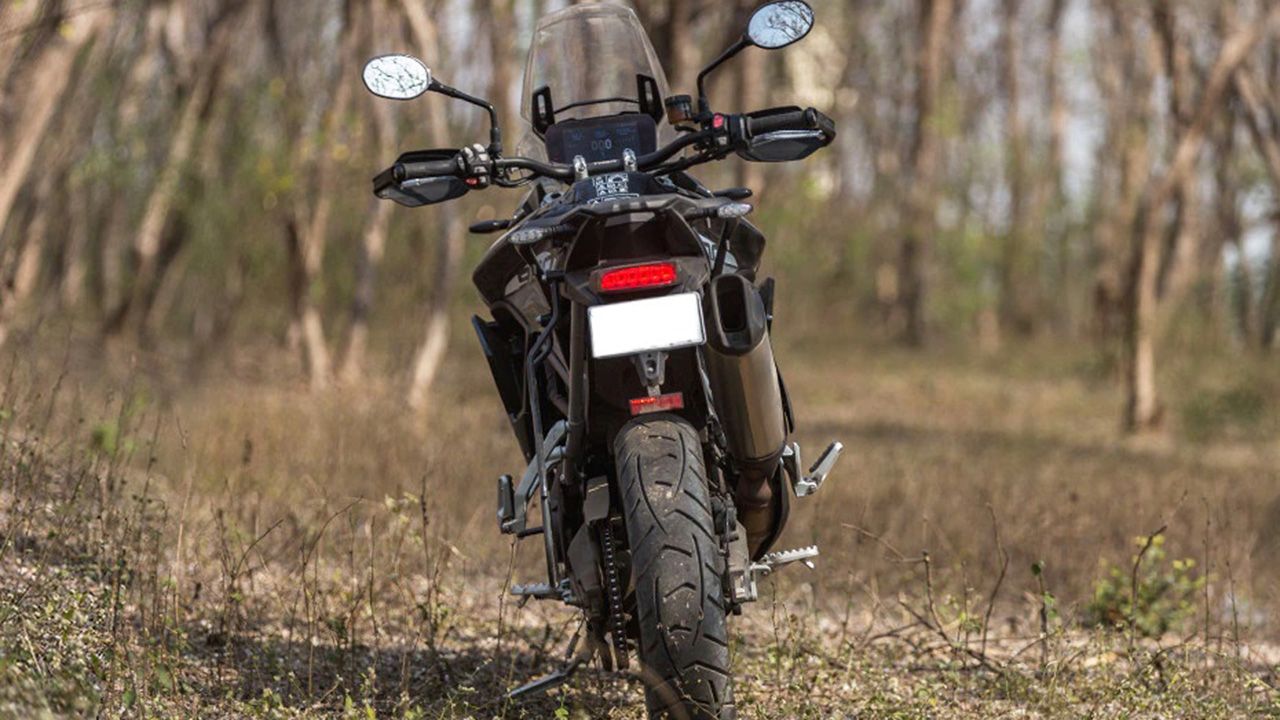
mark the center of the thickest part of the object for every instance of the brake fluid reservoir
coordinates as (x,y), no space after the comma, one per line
(744,379)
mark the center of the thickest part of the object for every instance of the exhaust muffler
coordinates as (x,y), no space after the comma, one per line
(744,378)
(748,400)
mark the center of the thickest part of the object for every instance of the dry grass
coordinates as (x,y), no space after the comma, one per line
(242,548)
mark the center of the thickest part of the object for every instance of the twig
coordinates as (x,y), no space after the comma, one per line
(995,591)
(981,660)
(1133,582)
(882,543)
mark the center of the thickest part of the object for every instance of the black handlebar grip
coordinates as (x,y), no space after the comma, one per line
(420,170)
(794,120)
(810,119)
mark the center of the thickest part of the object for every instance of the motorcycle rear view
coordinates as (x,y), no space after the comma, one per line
(629,340)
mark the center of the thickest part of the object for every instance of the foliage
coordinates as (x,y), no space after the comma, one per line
(1242,409)
(1163,598)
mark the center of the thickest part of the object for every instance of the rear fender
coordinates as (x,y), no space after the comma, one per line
(616,381)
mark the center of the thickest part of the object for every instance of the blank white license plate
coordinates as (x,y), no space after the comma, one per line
(640,326)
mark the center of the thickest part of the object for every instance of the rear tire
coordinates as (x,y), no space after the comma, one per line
(676,570)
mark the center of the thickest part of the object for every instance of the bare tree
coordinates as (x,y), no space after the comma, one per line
(1123,164)
(374,238)
(1019,269)
(430,354)
(1148,306)
(1057,216)
(1259,112)
(51,73)
(157,241)
(372,245)
(309,212)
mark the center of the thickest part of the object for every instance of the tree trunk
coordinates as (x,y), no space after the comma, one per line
(372,246)
(753,84)
(1058,215)
(921,215)
(430,355)
(1269,312)
(1255,101)
(1123,74)
(501,19)
(18,27)
(1219,304)
(1018,273)
(1179,266)
(18,286)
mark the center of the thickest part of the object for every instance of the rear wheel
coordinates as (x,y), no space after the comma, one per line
(676,569)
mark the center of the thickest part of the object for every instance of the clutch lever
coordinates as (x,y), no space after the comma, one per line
(488,227)
(739,193)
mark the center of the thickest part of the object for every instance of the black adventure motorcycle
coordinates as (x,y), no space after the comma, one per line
(629,342)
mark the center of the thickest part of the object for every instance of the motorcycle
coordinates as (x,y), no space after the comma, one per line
(629,339)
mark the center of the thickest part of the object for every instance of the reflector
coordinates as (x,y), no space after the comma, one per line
(660,403)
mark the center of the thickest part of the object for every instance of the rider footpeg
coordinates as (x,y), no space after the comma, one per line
(809,483)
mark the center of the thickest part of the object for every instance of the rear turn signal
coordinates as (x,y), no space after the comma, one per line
(657,404)
(639,277)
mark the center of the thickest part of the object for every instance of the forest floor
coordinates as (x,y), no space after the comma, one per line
(245,549)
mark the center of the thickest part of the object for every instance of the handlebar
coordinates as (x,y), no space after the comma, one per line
(560,171)
(722,135)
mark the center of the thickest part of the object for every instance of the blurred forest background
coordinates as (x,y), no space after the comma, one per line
(192,175)
(1034,287)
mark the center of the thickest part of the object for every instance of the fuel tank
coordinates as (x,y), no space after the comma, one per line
(744,378)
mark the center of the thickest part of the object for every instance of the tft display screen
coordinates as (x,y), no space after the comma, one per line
(601,139)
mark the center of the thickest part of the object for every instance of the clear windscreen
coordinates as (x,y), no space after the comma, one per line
(590,57)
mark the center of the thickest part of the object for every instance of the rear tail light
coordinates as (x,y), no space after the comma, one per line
(657,404)
(639,277)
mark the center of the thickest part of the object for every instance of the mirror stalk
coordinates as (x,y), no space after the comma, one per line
(495,130)
(704,102)
(773,26)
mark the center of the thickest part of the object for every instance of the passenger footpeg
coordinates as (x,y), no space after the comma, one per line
(743,574)
(538,591)
(808,484)
(776,560)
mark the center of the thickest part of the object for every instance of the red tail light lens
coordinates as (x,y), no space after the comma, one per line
(661,403)
(639,277)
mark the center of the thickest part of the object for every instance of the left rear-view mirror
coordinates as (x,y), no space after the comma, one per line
(779,24)
(397,77)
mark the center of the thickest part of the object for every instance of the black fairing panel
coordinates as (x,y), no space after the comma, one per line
(628,212)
